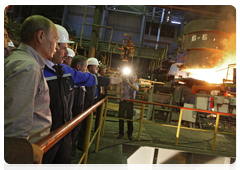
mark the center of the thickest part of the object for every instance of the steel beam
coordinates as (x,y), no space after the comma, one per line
(134,9)
(159,28)
(174,7)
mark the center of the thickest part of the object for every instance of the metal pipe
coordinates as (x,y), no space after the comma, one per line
(104,119)
(177,107)
(159,28)
(179,126)
(99,129)
(83,155)
(85,13)
(215,132)
(150,101)
(141,122)
(102,23)
(87,137)
(148,122)
(142,27)
(47,142)
(150,27)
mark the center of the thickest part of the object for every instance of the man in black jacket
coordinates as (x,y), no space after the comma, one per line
(79,63)
(102,92)
(92,92)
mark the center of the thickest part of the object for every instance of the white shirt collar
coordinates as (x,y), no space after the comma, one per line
(50,64)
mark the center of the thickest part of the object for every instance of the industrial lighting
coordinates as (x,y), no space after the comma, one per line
(175,22)
(126,71)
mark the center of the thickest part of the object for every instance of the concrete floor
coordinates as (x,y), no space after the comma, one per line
(117,151)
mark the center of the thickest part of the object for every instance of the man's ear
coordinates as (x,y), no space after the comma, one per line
(78,66)
(40,36)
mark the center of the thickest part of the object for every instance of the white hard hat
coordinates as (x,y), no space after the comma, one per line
(63,34)
(71,53)
(92,61)
(10,44)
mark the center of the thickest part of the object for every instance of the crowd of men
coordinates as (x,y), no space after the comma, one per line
(45,86)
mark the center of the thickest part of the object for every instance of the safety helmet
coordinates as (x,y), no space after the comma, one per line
(10,44)
(71,53)
(92,61)
(63,34)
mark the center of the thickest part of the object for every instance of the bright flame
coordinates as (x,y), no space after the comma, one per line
(208,75)
(213,75)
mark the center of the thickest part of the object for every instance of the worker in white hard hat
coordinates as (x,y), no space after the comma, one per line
(91,94)
(61,80)
(68,58)
(92,65)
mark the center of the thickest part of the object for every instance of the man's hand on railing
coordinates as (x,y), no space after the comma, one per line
(115,80)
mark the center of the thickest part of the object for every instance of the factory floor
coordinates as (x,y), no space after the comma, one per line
(118,151)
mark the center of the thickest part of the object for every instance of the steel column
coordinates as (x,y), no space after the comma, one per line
(215,133)
(95,31)
(179,126)
(141,122)
(142,27)
(159,28)
(150,27)
(182,23)
(104,119)
(150,100)
(102,23)
(87,137)
(99,129)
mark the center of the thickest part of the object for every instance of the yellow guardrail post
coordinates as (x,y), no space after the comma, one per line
(87,136)
(215,133)
(104,119)
(99,129)
(179,126)
(141,122)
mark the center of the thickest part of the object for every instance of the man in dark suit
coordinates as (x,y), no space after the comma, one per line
(102,92)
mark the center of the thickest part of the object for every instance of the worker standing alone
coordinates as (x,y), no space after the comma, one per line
(128,90)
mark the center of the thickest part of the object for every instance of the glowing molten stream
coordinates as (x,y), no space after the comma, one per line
(210,75)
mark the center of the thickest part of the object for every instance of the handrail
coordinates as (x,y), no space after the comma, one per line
(176,107)
(51,139)
(179,120)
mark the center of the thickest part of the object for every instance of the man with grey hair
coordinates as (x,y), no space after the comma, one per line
(26,94)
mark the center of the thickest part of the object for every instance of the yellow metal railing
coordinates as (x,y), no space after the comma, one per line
(51,139)
(179,120)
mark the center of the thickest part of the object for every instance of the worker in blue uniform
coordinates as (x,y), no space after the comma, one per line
(79,63)
(61,79)
(92,93)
